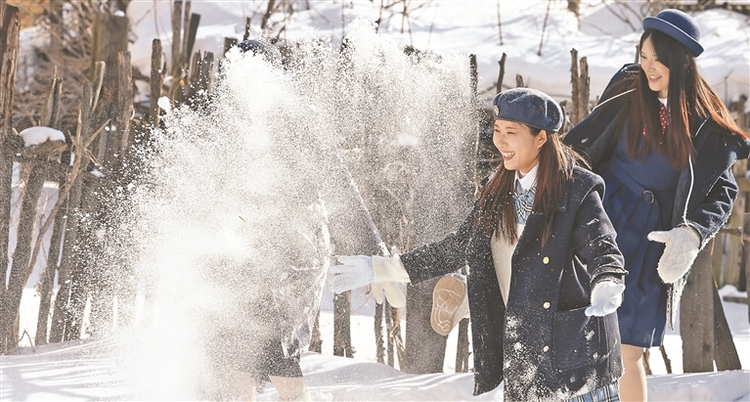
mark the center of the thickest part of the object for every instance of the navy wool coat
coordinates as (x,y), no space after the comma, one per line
(706,188)
(542,344)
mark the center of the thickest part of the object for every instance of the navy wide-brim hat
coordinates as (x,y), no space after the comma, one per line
(530,107)
(678,25)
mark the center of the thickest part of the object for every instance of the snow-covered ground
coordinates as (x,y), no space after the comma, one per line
(101,370)
(97,369)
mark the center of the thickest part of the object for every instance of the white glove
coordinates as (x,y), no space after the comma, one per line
(681,247)
(360,270)
(393,292)
(606,297)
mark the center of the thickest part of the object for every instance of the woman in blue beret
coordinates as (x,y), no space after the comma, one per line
(544,273)
(664,143)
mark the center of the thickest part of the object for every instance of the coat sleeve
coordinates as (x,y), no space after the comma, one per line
(594,241)
(714,210)
(442,257)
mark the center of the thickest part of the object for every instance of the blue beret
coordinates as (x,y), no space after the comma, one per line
(679,26)
(528,106)
(266,49)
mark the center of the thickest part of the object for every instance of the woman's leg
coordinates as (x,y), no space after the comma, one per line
(291,388)
(633,382)
(241,386)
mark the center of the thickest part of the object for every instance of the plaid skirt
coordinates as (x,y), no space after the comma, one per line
(610,393)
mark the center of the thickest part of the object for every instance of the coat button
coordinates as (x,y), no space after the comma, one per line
(546,305)
(545,348)
(545,260)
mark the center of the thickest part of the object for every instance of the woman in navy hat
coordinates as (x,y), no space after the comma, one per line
(664,143)
(545,275)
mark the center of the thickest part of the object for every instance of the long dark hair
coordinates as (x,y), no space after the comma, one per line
(690,99)
(556,162)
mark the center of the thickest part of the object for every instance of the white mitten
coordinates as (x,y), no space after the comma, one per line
(389,269)
(393,292)
(681,247)
(360,270)
(606,297)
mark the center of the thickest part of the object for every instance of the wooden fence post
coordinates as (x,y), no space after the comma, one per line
(50,118)
(696,316)
(725,352)
(706,337)
(731,272)
(9,145)
(342,337)
(158,70)
(501,73)
(580,83)
(574,114)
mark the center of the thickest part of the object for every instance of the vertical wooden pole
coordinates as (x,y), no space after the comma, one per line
(501,73)
(731,272)
(9,146)
(185,26)
(519,81)
(68,312)
(158,70)
(248,26)
(725,351)
(575,96)
(121,118)
(425,348)
(176,38)
(389,330)
(462,352)
(110,39)
(342,339)
(50,118)
(584,84)
(192,32)
(697,316)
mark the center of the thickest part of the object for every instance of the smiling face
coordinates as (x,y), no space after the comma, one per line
(656,72)
(518,146)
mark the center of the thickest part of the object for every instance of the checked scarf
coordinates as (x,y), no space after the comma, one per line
(523,200)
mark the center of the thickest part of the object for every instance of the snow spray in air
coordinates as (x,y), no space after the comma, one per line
(243,203)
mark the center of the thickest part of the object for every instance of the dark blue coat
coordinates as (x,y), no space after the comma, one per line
(706,188)
(542,344)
